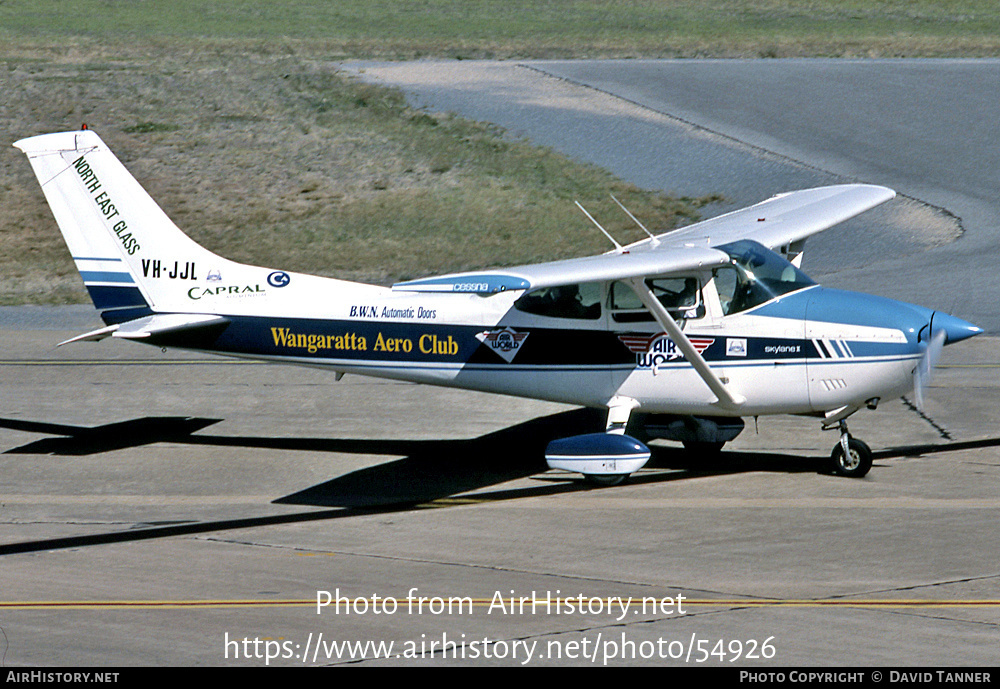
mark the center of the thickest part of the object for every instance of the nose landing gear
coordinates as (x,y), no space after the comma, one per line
(850,457)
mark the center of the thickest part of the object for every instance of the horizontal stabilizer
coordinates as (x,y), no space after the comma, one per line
(158,324)
(93,336)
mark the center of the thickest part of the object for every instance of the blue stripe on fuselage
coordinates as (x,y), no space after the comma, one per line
(457,345)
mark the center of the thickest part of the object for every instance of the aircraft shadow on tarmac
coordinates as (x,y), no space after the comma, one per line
(433,469)
(84,440)
(429,470)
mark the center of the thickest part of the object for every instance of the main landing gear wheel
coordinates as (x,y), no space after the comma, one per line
(604,480)
(855,463)
(702,448)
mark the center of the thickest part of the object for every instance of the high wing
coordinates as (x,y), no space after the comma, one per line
(785,218)
(780,221)
(783,221)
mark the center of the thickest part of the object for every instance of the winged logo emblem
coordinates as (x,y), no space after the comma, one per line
(506,341)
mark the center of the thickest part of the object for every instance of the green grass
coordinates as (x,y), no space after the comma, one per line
(527,28)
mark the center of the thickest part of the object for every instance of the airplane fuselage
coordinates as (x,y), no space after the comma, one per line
(779,358)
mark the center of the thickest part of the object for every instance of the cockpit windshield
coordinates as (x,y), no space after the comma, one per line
(755,275)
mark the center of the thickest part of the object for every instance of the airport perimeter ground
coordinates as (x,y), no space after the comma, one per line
(157,505)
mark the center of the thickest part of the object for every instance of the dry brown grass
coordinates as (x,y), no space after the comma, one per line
(280,160)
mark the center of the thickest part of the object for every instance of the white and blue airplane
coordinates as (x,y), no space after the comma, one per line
(678,336)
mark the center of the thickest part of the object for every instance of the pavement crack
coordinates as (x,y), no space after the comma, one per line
(941,430)
(916,587)
(69,522)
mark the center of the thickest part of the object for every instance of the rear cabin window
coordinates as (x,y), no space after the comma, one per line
(564,301)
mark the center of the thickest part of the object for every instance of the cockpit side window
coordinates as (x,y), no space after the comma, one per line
(727,281)
(581,301)
(755,275)
(738,291)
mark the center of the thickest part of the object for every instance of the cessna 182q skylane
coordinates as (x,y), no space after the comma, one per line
(677,336)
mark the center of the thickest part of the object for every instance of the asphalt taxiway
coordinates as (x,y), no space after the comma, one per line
(157,506)
(172,508)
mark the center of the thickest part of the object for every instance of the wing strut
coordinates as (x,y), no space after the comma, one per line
(645,294)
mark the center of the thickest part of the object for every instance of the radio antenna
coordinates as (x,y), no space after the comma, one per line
(635,220)
(618,247)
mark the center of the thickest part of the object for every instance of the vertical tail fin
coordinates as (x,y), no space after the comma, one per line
(126,248)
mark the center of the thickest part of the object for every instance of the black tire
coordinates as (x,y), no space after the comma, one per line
(703,449)
(856,464)
(604,480)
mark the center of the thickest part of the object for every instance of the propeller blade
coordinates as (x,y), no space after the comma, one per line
(925,367)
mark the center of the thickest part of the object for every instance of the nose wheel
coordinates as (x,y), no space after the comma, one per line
(850,457)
